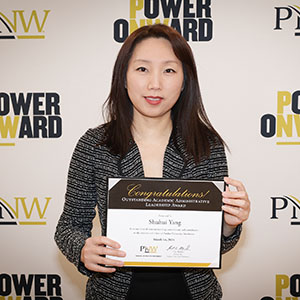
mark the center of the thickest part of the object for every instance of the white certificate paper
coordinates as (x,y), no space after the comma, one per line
(166,223)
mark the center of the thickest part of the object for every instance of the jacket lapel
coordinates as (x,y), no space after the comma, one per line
(174,164)
(131,164)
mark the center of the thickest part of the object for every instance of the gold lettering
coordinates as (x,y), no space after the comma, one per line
(33,15)
(134,190)
(134,6)
(286,126)
(131,188)
(283,99)
(13,25)
(14,211)
(282,282)
(8,126)
(35,202)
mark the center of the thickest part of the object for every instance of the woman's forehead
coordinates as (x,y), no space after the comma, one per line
(154,49)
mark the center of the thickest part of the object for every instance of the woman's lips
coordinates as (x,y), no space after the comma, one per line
(153,100)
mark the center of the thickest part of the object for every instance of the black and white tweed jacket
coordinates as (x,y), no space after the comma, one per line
(90,166)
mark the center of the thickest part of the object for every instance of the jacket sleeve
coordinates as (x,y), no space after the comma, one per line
(217,170)
(75,223)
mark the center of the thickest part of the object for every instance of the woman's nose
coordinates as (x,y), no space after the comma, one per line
(154,81)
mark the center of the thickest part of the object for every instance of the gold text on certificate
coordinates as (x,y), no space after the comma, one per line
(136,190)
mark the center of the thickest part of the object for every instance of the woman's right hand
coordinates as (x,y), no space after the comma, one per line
(93,251)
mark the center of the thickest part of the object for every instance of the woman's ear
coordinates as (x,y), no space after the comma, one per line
(184,77)
(183,85)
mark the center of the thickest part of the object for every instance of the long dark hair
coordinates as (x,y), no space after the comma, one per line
(189,118)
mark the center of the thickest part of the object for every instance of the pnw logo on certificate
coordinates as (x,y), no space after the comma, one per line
(166,223)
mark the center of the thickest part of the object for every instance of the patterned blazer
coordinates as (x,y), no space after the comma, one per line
(90,166)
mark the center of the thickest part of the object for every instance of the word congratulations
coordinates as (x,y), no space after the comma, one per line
(30,115)
(195,25)
(134,190)
(284,124)
(42,286)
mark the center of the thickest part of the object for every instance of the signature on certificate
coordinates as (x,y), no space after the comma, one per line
(179,248)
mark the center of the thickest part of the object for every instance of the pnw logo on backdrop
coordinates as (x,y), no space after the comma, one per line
(21,24)
(288,18)
(283,127)
(287,287)
(192,19)
(286,207)
(23,211)
(29,115)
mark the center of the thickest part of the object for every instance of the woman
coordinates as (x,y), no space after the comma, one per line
(157,127)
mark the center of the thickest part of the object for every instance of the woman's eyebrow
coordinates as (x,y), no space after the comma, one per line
(149,61)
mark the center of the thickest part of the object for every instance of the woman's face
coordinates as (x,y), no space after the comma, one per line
(154,78)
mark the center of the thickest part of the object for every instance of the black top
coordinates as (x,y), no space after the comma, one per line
(158,283)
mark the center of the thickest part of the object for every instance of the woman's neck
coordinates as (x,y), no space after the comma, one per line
(152,136)
(151,129)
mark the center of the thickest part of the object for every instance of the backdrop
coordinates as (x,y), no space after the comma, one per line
(56,61)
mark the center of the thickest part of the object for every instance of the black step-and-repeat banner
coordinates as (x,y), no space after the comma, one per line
(56,61)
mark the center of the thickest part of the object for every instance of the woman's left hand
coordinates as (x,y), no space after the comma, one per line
(236,205)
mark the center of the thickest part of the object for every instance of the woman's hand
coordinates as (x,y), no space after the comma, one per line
(236,206)
(93,251)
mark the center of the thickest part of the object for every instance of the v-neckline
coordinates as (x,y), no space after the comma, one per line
(164,158)
(131,164)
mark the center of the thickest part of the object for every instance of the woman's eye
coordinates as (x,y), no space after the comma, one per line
(170,71)
(141,69)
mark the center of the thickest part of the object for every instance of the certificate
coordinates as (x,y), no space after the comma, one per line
(166,223)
